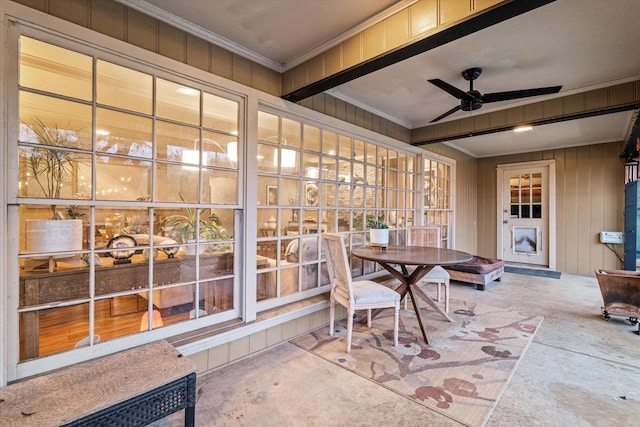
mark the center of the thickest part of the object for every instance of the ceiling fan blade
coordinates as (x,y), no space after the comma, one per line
(515,94)
(453,110)
(452,90)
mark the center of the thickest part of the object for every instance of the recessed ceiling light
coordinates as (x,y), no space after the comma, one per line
(522,128)
(102,132)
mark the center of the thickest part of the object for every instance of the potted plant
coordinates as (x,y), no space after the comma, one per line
(378,231)
(184,228)
(49,166)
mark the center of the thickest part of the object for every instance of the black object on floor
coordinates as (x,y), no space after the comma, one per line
(533,272)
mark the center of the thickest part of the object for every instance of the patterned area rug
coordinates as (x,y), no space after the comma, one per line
(461,374)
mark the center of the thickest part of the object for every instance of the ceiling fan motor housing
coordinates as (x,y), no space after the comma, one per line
(468,105)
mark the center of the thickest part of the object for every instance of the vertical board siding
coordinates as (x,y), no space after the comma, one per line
(589,199)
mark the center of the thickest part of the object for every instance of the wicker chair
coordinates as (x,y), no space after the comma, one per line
(354,295)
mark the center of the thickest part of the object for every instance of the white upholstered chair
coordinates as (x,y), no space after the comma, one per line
(354,295)
(429,235)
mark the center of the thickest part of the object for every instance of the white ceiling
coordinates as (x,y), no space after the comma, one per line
(579,44)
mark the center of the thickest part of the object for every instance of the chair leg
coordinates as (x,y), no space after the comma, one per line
(446,296)
(332,316)
(438,292)
(369,318)
(349,329)
(396,324)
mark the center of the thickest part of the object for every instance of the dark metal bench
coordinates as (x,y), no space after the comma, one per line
(131,388)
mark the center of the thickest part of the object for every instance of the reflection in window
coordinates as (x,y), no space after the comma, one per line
(142,238)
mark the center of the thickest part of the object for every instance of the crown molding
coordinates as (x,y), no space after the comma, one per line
(188,26)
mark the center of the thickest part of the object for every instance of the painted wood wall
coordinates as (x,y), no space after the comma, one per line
(589,199)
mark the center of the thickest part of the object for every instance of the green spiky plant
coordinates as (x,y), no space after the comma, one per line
(185,227)
(49,164)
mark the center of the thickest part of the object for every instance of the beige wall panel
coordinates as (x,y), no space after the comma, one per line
(242,70)
(622,94)
(108,18)
(352,51)
(287,82)
(261,78)
(318,103)
(368,119)
(515,115)
(341,109)
(483,4)
(532,111)
(316,68)
(142,30)
(218,356)
(198,53)
(424,17)
(171,42)
(597,99)
(453,127)
(333,60)
(301,75)
(239,348)
(498,118)
(589,199)
(76,11)
(373,41)
(454,10)
(466,124)
(329,105)
(552,107)
(221,62)
(396,29)
(351,113)
(573,103)
(275,82)
(375,123)
(360,117)
(40,5)
(481,121)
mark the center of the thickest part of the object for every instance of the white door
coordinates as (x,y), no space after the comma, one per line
(524,213)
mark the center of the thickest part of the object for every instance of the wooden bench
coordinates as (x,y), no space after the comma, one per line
(134,387)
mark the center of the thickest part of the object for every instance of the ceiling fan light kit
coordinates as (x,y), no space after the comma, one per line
(473,99)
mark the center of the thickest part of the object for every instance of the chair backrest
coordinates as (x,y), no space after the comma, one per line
(424,235)
(335,252)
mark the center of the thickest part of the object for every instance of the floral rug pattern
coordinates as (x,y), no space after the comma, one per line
(461,374)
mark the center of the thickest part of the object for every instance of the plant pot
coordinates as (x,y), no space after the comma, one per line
(191,250)
(379,237)
(53,235)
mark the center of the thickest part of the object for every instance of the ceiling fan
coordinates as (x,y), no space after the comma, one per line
(472,99)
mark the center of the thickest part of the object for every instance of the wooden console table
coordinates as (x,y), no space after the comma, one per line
(73,283)
(134,387)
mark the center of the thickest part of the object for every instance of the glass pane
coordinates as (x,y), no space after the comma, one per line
(291,131)
(267,158)
(50,68)
(288,159)
(290,192)
(50,121)
(358,150)
(220,150)
(122,179)
(345,147)
(220,114)
(311,138)
(329,143)
(268,126)
(177,102)
(526,196)
(219,187)
(329,198)
(53,174)
(176,183)
(329,168)
(536,211)
(311,165)
(177,143)
(121,133)
(267,190)
(526,211)
(124,88)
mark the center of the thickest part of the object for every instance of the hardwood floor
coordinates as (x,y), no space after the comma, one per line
(61,328)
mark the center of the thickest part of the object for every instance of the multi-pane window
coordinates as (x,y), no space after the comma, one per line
(127,186)
(438,198)
(313,180)
(526,195)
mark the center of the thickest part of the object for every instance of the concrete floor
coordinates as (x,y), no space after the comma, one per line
(579,371)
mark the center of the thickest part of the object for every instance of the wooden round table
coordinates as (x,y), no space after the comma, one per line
(424,259)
